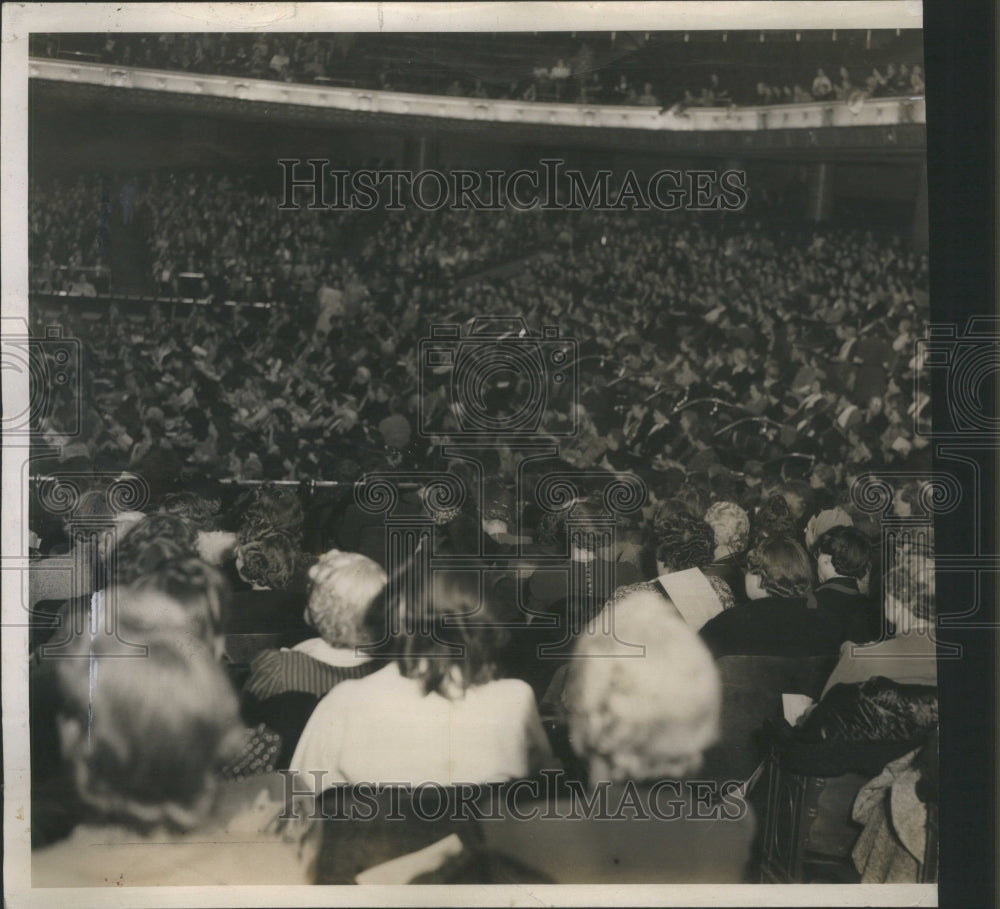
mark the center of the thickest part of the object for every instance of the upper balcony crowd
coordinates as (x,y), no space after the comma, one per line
(653,69)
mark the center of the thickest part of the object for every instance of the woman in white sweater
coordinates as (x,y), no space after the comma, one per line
(437,713)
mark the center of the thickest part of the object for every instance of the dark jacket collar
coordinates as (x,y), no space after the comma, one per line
(848,585)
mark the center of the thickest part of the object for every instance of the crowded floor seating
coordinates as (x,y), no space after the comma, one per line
(309,676)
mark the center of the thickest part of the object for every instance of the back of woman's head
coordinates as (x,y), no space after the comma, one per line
(681,541)
(799,497)
(267,561)
(150,542)
(145,734)
(449,637)
(268,509)
(642,716)
(783,566)
(344,587)
(730,524)
(849,551)
(198,587)
(694,497)
(773,518)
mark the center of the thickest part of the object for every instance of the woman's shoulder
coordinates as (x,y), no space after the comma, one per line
(507,691)
(386,682)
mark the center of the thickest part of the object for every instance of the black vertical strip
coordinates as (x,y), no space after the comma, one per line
(959,50)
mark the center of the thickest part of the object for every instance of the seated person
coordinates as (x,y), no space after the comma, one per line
(677,546)
(147,544)
(772,518)
(595,569)
(843,558)
(56,578)
(822,521)
(265,510)
(200,590)
(639,725)
(285,685)
(731,526)
(893,808)
(909,655)
(142,740)
(437,713)
(782,618)
(680,546)
(267,564)
(822,87)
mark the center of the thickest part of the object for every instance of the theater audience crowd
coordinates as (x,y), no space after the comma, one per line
(352,690)
(701,350)
(746,375)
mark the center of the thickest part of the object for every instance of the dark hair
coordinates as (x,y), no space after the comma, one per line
(681,541)
(269,508)
(802,491)
(456,626)
(200,510)
(783,567)
(773,518)
(156,539)
(268,560)
(849,550)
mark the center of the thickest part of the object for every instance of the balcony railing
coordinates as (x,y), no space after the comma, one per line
(870,112)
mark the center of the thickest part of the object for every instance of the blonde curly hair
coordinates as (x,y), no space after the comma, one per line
(344,584)
(642,716)
(730,524)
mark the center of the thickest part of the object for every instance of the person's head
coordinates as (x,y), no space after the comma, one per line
(266,562)
(144,738)
(773,518)
(799,497)
(778,567)
(268,508)
(823,521)
(680,542)
(344,587)
(147,544)
(449,637)
(842,552)
(642,717)
(199,588)
(731,526)
(198,509)
(908,590)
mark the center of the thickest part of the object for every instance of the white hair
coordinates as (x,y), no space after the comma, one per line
(643,716)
